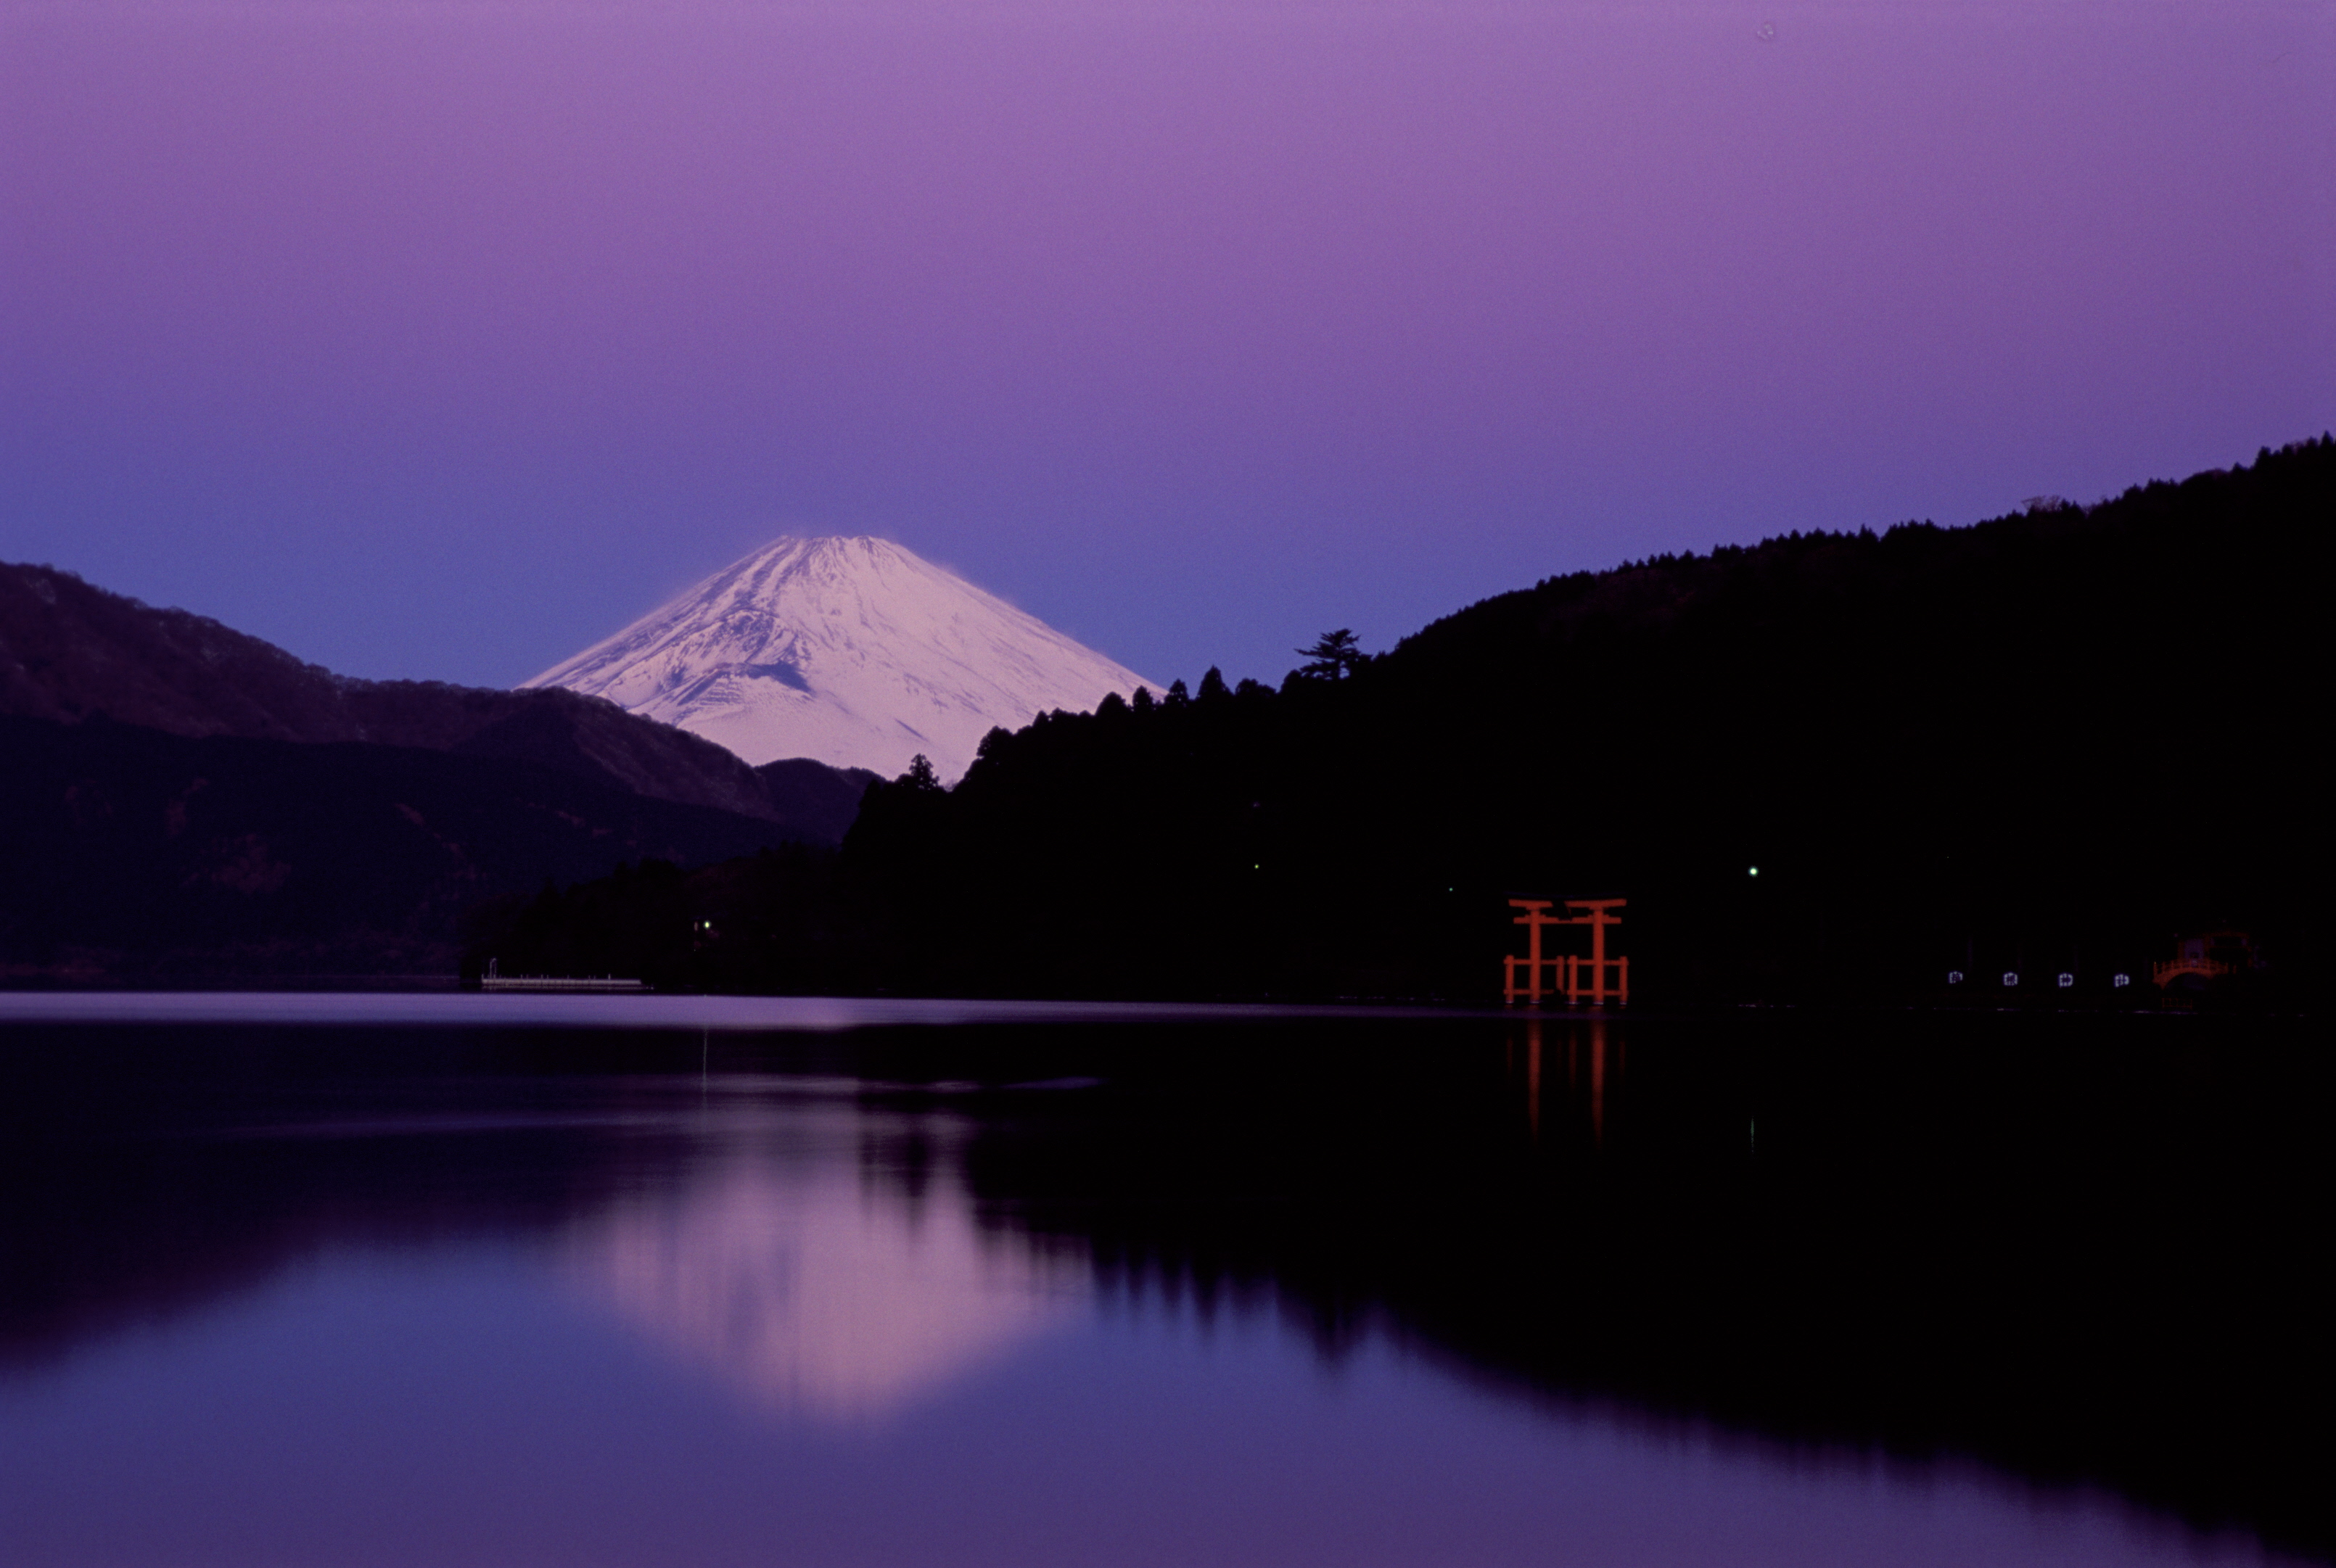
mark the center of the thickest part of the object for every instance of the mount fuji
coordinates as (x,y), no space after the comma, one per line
(853,651)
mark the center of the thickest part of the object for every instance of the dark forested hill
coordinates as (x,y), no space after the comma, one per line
(69,651)
(1833,765)
(180,800)
(128,853)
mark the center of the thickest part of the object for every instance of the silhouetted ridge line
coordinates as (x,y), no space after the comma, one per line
(186,801)
(2036,746)
(69,651)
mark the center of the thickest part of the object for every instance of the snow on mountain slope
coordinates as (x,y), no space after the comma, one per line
(850,651)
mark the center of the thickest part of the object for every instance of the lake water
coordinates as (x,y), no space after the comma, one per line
(347,1280)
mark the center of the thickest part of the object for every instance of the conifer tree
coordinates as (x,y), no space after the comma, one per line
(1333,658)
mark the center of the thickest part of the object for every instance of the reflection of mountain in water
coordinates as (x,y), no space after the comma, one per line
(2082,1251)
(815,1293)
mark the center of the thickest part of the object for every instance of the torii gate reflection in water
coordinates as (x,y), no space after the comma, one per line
(1597,1027)
(1569,966)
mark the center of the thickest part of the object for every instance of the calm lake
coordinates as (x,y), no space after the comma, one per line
(609,1280)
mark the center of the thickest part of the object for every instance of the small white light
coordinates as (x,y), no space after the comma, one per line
(2121,981)
(2067,980)
(1754,872)
(1954,977)
(2010,977)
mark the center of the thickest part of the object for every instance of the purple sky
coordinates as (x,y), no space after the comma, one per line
(441,339)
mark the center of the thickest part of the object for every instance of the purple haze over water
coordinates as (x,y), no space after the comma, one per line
(442,339)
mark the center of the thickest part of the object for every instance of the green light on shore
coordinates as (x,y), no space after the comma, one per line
(1756,871)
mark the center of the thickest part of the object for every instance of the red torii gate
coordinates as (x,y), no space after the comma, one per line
(1569,967)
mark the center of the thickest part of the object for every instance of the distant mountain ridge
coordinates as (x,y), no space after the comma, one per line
(70,651)
(853,651)
(180,799)
(134,853)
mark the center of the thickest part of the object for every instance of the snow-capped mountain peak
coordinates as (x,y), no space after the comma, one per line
(851,651)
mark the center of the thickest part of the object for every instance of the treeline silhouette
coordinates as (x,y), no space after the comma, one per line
(2043,745)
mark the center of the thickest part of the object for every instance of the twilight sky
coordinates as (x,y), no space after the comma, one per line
(441,338)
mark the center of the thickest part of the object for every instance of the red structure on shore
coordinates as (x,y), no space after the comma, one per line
(1576,978)
(2208,957)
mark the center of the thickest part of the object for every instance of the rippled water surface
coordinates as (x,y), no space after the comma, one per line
(1295,1291)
